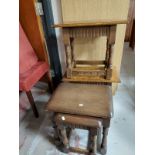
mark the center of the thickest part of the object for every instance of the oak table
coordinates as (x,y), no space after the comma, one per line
(84,105)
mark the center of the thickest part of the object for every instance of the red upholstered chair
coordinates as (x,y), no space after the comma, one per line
(31,70)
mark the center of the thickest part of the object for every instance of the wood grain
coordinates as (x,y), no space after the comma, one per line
(76,13)
(92,100)
(89,23)
(90,48)
(78,120)
(32,26)
(131,16)
(114,79)
(94,10)
(118,50)
(87,62)
(78,150)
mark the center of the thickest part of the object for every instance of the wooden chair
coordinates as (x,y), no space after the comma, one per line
(31,70)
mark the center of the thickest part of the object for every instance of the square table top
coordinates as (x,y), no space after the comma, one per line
(82,99)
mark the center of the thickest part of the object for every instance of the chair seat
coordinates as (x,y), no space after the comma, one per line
(82,99)
(30,77)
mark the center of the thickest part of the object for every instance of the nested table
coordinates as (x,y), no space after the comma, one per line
(83,104)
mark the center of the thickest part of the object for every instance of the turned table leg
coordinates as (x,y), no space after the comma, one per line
(93,147)
(104,141)
(63,138)
(56,134)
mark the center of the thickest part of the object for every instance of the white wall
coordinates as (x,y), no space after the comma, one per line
(56,7)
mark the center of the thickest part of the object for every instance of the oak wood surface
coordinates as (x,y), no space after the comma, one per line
(89,23)
(114,79)
(79,150)
(91,49)
(82,99)
(91,124)
(93,43)
(118,51)
(94,10)
(84,11)
(78,120)
(131,16)
(88,62)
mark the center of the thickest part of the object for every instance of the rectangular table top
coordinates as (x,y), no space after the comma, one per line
(82,99)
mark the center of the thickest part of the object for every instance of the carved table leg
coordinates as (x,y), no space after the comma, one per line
(99,139)
(93,148)
(104,141)
(63,137)
(56,134)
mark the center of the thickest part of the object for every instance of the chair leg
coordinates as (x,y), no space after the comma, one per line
(31,100)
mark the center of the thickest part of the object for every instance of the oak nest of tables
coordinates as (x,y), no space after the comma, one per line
(87,106)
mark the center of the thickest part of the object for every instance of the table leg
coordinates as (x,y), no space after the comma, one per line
(93,147)
(99,139)
(63,137)
(56,134)
(104,141)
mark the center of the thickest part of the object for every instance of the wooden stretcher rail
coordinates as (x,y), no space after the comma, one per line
(90,80)
(87,62)
(96,79)
(78,150)
(95,23)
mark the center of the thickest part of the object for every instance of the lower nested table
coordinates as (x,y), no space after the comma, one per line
(83,101)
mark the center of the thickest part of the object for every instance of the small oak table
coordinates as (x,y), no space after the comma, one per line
(85,103)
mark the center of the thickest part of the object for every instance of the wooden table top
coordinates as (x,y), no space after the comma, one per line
(90,23)
(82,99)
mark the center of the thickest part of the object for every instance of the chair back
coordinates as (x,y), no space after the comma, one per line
(27,56)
